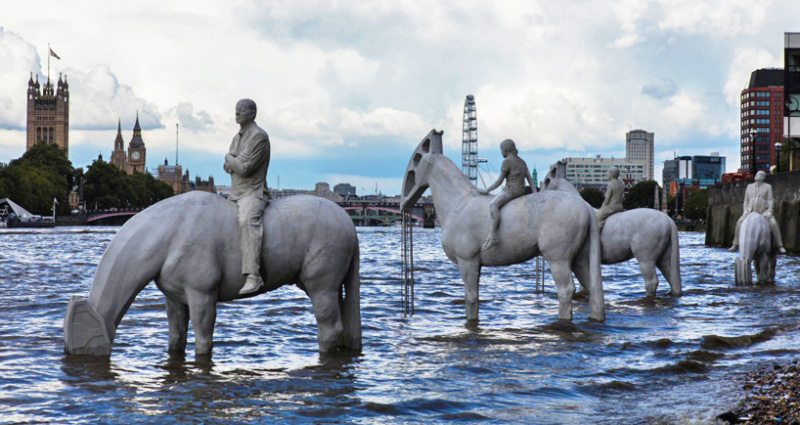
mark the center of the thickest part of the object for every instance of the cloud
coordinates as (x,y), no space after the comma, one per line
(196,121)
(18,59)
(97,100)
(660,89)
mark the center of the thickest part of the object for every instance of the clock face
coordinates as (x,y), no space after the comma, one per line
(135,155)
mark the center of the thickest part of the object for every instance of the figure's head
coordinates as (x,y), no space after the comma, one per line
(613,173)
(507,147)
(760,176)
(245,111)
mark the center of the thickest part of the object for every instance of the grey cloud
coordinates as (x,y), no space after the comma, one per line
(193,120)
(663,88)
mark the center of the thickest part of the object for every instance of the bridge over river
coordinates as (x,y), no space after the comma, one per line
(362,212)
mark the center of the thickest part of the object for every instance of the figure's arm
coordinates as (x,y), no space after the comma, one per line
(245,164)
(746,198)
(609,194)
(503,174)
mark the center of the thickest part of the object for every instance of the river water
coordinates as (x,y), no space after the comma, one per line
(663,361)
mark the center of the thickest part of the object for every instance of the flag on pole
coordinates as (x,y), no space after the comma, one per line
(53,54)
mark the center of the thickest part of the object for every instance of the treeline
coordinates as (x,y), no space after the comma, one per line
(642,194)
(44,173)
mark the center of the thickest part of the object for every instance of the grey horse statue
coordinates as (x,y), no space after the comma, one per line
(189,245)
(646,234)
(755,244)
(553,224)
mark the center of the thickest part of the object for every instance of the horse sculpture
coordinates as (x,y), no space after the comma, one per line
(646,234)
(755,244)
(189,245)
(554,224)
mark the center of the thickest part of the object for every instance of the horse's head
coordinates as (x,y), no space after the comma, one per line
(556,178)
(415,181)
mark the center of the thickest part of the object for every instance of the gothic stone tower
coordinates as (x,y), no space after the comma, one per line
(118,155)
(48,114)
(136,150)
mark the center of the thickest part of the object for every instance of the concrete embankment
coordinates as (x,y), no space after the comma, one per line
(725,208)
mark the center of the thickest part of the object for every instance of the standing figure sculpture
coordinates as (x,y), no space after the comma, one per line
(247,163)
(515,172)
(615,192)
(758,198)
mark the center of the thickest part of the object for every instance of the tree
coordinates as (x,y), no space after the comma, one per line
(696,205)
(593,196)
(640,195)
(107,186)
(34,180)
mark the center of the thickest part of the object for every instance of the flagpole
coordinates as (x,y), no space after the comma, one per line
(48,62)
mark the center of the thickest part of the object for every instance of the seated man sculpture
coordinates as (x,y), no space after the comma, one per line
(615,191)
(247,163)
(515,172)
(758,198)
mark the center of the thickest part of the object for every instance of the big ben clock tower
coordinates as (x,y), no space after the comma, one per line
(136,149)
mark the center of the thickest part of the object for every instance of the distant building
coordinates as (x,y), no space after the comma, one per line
(699,171)
(321,189)
(345,189)
(761,119)
(639,146)
(593,172)
(48,114)
(173,176)
(134,159)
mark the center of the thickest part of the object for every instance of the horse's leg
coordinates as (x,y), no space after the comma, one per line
(566,287)
(471,275)
(203,312)
(178,318)
(648,269)
(663,264)
(580,266)
(325,301)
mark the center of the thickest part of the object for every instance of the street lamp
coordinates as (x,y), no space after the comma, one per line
(778,146)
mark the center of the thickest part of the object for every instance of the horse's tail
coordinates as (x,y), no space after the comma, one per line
(597,308)
(90,325)
(674,277)
(350,304)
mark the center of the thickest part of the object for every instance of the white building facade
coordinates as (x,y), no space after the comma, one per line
(593,172)
(639,148)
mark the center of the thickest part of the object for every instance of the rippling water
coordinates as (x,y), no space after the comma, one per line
(663,361)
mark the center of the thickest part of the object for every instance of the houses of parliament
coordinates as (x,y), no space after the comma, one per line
(48,122)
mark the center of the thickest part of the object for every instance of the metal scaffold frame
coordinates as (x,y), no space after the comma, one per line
(407,290)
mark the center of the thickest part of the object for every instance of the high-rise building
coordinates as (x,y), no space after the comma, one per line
(791,93)
(593,172)
(48,114)
(698,171)
(761,119)
(639,147)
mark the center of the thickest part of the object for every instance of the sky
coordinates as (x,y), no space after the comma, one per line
(346,90)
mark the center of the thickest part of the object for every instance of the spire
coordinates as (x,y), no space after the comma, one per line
(118,142)
(30,81)
(136,140)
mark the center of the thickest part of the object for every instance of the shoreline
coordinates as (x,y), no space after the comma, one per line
(772,396)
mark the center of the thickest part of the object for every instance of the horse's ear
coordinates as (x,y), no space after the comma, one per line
(436,141)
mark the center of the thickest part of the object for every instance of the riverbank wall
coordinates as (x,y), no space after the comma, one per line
(725,207)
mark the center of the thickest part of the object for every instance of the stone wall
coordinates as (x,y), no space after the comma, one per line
(725,207)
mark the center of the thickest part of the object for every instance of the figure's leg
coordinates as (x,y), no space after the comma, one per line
(648,269)
(470,274)
(251,209)
(326,310)
(735,245)
(566,288)
(602,214)
(178,318)
(494,209)
(203,312)
(777,240)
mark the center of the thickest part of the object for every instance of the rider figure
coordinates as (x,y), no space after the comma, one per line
(515,172)
(758,198)
(247,163)
(614,195)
